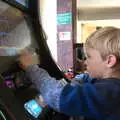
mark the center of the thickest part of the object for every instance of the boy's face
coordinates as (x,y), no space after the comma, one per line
(96,66)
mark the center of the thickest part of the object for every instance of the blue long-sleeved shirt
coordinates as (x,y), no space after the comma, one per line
(98,100)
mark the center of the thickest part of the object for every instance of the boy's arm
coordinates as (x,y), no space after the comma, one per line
(81,100)
(49,87)
(71,100)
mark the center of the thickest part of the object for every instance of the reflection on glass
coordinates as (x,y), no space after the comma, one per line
(23,2)
(14,32)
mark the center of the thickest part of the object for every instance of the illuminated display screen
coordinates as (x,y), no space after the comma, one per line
(23,2)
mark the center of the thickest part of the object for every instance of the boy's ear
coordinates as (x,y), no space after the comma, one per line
(111,61)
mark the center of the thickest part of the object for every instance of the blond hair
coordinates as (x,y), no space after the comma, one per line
(106,41)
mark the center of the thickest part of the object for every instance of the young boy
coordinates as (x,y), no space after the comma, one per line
(96,100)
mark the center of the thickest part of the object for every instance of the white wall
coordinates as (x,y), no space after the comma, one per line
(102,3)
(94,11)
(48,10)
(98,9)
(98,13)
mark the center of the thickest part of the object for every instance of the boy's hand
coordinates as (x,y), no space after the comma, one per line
(25,59)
